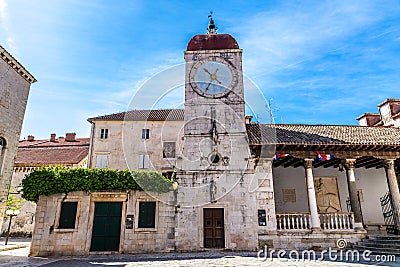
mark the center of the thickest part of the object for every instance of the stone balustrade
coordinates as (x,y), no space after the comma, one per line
(302,221)
(337,221)
(293,221)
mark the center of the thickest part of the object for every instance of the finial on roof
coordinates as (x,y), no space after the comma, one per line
(212,29)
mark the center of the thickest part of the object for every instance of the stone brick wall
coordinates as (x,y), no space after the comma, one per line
(14,90)
(124,143)
(49,240)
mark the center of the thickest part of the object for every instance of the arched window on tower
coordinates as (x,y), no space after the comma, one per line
(2,153)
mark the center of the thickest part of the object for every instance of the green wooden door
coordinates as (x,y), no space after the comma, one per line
(106,226)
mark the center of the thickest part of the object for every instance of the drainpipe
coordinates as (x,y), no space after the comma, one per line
(91,145)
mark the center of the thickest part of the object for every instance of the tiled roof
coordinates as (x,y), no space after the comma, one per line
(322,134)
(57,143)
(51,155)
(212,42)
(143,115)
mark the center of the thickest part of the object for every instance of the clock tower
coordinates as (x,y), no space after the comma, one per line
(216,209)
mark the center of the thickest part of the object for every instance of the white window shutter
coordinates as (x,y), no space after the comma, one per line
(141,162)
(101,161)
(146,162)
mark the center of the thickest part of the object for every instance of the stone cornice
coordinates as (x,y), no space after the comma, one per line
(13,63)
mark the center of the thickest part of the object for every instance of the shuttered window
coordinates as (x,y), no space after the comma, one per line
(147,215)
(101,161)
(67,215)
(144,161)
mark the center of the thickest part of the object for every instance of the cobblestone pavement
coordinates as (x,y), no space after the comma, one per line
(18,258)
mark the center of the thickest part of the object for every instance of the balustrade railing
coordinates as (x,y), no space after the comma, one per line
(337,221)
(302,221)
(293,221)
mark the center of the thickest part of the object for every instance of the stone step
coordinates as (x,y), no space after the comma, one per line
(375,250)
(379,244)
(384,237)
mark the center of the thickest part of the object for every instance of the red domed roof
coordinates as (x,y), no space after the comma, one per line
(212,42)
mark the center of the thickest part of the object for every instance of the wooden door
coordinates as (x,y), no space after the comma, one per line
(106,226)
(214,233)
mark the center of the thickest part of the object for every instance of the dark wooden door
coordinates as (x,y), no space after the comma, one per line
(214,234)
(106,226)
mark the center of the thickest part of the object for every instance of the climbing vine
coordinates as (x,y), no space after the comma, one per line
(53,180)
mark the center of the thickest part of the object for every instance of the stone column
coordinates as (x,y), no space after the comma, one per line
(393,189)
(354,202)
(312,200)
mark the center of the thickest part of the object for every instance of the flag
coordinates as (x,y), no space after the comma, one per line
(324,157)
(280,156)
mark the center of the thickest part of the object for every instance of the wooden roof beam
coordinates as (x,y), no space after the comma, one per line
(332,162)
(290,162)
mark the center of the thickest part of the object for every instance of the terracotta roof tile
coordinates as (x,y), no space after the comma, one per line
(322,134)
(58,142)
(51,155)
(143,115)
(212,42)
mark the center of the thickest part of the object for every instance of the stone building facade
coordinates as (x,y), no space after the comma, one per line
(239,185)
(389,115)
(15,82)
(33,154)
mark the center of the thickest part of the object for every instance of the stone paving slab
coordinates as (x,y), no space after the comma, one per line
(19,258)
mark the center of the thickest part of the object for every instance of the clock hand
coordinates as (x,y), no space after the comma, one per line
(208,86)
(206,70)
(217,80)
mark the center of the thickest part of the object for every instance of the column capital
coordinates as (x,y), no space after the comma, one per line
(349,163)
(389,163)
(308,163)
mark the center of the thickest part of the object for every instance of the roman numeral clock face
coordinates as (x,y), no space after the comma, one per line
(213,78)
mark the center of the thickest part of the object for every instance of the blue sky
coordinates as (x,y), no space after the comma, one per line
(323,62)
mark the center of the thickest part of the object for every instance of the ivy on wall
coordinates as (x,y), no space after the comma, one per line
(54,180)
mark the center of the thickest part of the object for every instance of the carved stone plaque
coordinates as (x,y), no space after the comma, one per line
(327,194)
(169,150)
(289,195)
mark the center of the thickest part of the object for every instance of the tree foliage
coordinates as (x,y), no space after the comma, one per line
(53,180)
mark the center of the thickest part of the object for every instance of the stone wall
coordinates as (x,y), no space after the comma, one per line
(124,143)
(49,240)
(14,91)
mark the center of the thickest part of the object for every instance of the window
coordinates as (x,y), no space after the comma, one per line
(103,133)
(147,215)
(2,153)
(101,161)
(144,161)
(67,215)
(145,133)
(169,150)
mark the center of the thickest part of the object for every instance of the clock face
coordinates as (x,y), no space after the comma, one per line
(212,78)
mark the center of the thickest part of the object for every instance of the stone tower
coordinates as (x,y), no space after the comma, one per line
(215,207)
(15,82)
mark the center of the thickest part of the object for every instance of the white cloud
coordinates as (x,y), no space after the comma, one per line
(4,23)
(294,33)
